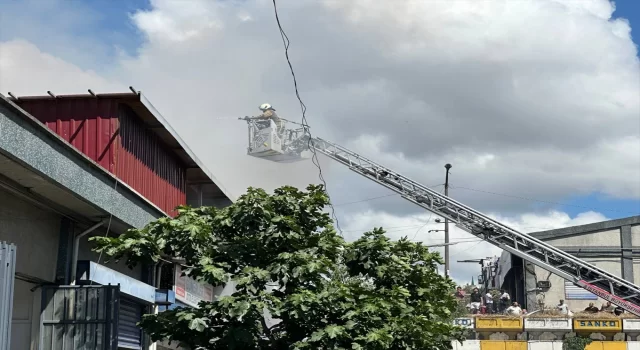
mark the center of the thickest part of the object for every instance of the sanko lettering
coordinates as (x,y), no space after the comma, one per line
(598,324)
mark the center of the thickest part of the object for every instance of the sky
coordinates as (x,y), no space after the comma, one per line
(536,104)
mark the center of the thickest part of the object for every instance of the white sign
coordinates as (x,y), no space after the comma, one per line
(465,322)
(190,291)
(573,292)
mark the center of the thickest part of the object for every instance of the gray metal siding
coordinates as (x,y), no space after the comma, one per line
(7,278)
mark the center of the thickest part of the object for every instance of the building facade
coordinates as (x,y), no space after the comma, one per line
(613,246)
(73,167)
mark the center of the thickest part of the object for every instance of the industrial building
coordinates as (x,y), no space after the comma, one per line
(72,167)
(612,245)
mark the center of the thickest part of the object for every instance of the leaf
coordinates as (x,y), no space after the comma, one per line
(333,331)
(285,258)
(317,335)
(197,324)
(239,309)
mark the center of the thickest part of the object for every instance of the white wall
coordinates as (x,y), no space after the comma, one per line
(35,233)
(610,238)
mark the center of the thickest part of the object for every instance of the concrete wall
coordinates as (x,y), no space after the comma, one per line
(35,232)
(557,291)
(608,238)
(85,253)
(602,249)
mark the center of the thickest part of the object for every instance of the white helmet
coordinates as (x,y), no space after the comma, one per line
(265,106)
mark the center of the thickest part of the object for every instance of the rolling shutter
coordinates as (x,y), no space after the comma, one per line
(129,335)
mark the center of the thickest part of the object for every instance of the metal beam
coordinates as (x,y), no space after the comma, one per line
(626,266)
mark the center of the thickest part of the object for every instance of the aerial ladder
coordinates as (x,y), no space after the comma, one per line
(292,144)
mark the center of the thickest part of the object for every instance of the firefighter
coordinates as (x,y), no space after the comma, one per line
(268,113)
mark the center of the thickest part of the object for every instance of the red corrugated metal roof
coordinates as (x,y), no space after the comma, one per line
(153,120)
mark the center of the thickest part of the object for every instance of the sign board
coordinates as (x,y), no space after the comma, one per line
(465,322)
(573,292)
(190,291)
(597,325)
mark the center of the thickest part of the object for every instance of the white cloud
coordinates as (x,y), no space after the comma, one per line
(538,99)
(178,21)
(25,69)
(416,228)
(531,222)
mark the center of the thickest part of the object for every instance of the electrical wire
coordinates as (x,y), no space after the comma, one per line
(314,159)
(367,199)
(541,201)
(406,227)
(423,226)
(378,197)
(473,246)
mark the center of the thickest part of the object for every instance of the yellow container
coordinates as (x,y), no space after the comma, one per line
(607,345)
(597,325)
(498,324)
(503,345)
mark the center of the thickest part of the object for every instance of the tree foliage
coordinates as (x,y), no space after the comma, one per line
(576,343)
(286,259)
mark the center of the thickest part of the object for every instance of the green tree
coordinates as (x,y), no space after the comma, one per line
(286,258)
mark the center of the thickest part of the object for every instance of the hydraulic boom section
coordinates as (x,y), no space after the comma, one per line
(605,285)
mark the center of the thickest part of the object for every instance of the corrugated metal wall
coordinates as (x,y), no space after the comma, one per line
(146,165)
(90,125)
(79,317)
(110,134)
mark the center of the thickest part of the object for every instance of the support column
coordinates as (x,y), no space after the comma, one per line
(530,278)
(626,259)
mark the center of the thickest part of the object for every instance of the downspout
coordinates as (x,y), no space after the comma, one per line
(158,274)
(76,247)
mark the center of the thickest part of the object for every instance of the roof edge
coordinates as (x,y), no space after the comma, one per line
(147,104)
(585,229)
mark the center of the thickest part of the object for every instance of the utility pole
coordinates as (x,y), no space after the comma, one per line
(446,224)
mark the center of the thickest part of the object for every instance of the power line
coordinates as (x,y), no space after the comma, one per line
(423,226)
(473,246)
(303,108)
(419,226)
(406,227)
(378,197)
(367,199)
(541,201)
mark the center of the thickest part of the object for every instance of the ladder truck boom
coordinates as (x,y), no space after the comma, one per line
(289,145)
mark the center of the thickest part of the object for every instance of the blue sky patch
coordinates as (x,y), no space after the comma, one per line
(612,208)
